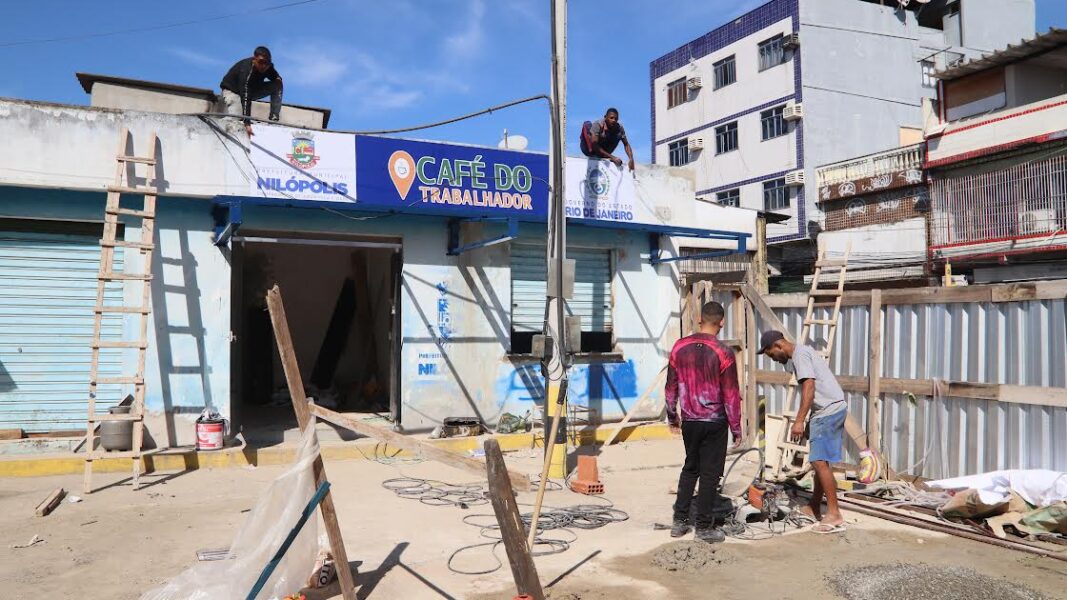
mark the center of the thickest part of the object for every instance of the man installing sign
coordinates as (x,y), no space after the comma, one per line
(601,137)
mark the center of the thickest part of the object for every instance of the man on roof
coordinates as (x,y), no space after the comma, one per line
(252,79)
(601,137)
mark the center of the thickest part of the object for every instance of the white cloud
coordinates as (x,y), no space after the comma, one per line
(318,69)
(196,58)
(468,42)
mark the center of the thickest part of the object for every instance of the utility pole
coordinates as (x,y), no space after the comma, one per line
(556,364)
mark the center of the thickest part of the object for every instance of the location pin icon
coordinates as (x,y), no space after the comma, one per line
(402,172)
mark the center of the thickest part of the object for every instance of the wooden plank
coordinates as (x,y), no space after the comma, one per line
(1026,394)
(303,417)
(1017,394)
(11,434)
(50,503)
(512,533)
(637,404)
(1038,290)
(759,263)
(756,300)
(874,368)
(419,448)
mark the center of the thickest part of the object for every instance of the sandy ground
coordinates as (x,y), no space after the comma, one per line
(118,542)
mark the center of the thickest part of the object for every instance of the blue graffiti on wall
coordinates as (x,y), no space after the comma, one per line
(444,314)
(609,388)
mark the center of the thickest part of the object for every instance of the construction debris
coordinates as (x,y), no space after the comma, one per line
(35,540)
(691,556)
(925,582)
(50,503)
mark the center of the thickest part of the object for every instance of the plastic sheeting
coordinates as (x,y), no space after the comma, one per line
(1039,487)
(262,533)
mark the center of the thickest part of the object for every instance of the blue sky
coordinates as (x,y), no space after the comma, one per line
(381,64)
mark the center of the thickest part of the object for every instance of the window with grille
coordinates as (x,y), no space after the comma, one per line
(771,53)
(775,195)
(928,68)
(726,138)
(725,72)
(676,93)
(772,123)
(678,152)
(729,197)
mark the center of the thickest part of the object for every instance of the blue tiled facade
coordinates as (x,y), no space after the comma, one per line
(721,37)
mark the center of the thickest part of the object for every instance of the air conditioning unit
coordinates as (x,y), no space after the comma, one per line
(696,144)
(791,41)
(1037,221)
(694,83)
(795,178)
(794,111)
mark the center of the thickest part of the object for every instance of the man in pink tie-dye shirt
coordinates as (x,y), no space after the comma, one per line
(703,401)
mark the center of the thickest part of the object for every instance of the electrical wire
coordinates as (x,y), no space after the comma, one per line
(561,520)
(449,121)
(86,36)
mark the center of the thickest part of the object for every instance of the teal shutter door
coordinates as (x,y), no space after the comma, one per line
(47,297)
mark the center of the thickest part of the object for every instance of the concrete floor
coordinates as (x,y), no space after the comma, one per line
(118,542)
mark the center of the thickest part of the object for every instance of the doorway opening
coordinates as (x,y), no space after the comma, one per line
(341,303)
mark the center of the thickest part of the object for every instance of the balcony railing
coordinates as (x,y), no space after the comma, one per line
(906,158)
(1020,207)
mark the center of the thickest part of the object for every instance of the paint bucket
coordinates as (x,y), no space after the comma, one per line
(210,434)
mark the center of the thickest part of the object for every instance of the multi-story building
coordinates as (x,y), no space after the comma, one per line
(757,103)
(997,163)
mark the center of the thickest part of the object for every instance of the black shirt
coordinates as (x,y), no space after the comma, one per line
(243,80)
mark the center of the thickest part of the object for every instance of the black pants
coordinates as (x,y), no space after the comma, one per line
(705,459)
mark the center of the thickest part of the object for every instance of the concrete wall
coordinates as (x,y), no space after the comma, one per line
(990,25)
(1026,83)
(109,95)
(74,147)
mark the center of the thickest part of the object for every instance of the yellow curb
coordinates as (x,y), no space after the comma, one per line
(364,449)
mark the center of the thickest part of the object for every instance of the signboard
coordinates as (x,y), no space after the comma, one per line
(448,179)
(866,185)
(597,190)
(302,165)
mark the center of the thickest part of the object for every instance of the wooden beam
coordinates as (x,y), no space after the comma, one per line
(512,532)
(1014,394)
(765,311)
(874,369)
(300,406)
(1013,292)
(759,262)
(50,503)
(751,399)
(419,448)
(1042,396)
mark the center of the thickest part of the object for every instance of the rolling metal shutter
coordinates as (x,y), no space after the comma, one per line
(47,297)
(592,287)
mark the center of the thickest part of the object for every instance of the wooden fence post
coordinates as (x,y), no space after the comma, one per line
(874,392)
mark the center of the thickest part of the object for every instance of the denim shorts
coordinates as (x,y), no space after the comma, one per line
(826,435)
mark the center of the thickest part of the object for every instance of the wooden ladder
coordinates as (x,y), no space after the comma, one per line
(108,244)
(817,298)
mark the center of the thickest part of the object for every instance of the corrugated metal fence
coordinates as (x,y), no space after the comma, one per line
(1021,343)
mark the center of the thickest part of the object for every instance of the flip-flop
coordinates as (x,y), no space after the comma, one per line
(827,529)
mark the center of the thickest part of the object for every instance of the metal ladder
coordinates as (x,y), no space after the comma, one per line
(108,245)
(791,450)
